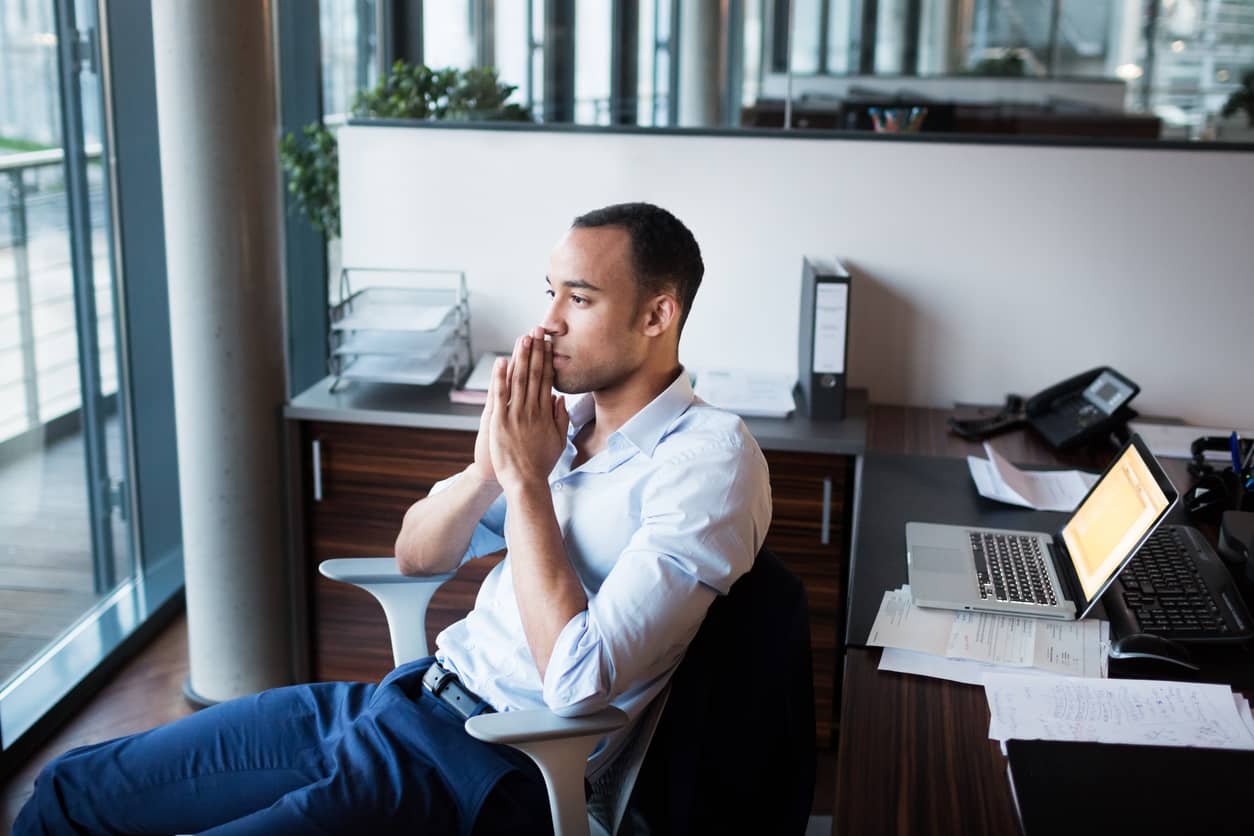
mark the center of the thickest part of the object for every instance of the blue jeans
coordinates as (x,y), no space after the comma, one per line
(326,758)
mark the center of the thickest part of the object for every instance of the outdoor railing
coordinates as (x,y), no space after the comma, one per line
(35,324)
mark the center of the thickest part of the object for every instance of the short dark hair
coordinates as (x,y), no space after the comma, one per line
(663,251)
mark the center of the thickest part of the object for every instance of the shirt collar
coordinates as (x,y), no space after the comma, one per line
(645,429)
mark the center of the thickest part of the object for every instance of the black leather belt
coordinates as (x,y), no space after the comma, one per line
(444,685)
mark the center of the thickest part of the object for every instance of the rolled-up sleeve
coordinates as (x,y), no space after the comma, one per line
(489,533)
(704,515)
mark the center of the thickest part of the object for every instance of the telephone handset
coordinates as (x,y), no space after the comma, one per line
(1088,405)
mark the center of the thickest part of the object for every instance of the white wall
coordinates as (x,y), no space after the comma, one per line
(979,268)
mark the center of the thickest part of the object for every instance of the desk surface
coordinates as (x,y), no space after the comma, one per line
(429,407)
(914,754)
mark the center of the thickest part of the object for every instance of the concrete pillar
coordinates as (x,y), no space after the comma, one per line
(701,63)
(218,126)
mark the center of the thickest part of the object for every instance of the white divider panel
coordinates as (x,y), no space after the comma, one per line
(978,268)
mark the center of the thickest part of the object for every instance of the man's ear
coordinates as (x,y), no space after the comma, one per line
(661,313)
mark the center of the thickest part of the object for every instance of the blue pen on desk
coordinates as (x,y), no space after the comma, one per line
(1234,443)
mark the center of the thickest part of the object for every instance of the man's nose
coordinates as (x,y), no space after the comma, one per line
(552,323)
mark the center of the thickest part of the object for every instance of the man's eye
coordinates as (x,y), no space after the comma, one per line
(579,300)
(549,293)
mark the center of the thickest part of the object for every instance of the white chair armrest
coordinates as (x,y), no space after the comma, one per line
(560,747)
(404,598)
(512,727)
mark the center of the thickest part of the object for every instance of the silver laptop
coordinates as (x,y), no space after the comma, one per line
(957,567)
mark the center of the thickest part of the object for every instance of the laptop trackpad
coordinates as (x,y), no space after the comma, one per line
(940,560)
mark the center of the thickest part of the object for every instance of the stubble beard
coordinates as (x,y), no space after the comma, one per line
(572,382)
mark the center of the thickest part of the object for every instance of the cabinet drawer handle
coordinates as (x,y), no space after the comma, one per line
(316,458)
(825,532)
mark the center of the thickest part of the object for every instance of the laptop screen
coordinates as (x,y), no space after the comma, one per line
(1119,512)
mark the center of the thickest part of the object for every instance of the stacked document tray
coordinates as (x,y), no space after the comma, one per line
(389,334)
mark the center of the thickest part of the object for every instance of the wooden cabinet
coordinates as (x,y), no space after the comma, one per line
(357,480)
(366,478)
(812,499)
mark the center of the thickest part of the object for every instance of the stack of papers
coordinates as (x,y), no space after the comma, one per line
(1045,490)
(1175,441)
(1136,711)
(965,646)
(751,394)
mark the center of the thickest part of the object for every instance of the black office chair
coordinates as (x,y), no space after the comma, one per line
(727,747)
(734,750)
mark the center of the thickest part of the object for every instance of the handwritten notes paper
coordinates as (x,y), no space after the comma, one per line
(1138,711)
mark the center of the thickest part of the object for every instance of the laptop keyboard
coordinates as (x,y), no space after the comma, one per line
(1011,567)
(1165,590)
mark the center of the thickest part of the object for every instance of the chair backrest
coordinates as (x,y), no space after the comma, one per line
(734,749)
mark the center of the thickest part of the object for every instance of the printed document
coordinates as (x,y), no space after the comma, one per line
(1150,712)
(983,642)
(1045,490)
(751,394)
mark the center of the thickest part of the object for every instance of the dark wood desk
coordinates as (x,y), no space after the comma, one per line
(914,754)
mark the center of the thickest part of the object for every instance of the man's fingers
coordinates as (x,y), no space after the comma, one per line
(560,416)
(498,390)
(488,404)
(537,395)
(519,371)
(546,378)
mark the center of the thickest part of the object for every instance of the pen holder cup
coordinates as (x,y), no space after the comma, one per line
(897,120)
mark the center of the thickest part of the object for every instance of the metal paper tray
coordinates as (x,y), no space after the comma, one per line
(395,309)
(380,368)
(414,344)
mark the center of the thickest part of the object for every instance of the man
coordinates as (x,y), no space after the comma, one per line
(626,517)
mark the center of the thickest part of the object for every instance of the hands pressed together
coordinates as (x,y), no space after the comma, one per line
(523,429)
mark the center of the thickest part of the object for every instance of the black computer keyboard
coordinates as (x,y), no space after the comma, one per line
(1011,567)
(1177,587)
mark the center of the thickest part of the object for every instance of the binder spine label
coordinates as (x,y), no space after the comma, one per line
(831,307)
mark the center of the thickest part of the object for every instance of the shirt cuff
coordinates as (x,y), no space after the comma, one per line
(578,677)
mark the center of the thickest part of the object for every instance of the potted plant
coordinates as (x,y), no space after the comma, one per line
(410,91)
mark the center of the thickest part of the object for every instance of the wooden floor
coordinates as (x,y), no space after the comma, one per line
(147,692)
(46,577)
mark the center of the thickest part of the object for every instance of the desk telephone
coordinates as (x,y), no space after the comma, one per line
(1086,406)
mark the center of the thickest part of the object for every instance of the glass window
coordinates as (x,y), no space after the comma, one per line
(512,45)
(66,548)
(806,20)
(653,82)
(593,25)
(752,43)
(448,34)
(349,53)
(1179,60)
(841,33)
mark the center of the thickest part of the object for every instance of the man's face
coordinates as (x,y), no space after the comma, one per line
(592,317)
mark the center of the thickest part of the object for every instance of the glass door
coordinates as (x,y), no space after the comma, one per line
(66,553)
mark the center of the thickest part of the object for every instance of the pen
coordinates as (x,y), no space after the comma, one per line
(1234,443)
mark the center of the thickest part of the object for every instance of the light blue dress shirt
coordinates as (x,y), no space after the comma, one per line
(656,525)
